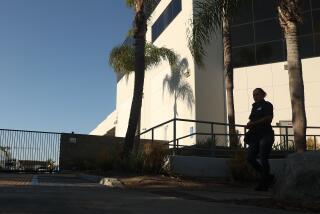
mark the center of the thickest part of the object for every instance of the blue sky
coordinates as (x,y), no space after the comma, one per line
(54,72)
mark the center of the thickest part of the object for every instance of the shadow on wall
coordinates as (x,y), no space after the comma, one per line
(178,86)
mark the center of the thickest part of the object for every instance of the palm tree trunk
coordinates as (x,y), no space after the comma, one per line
(289,16)
(140,41)
(296,87)
(228,67)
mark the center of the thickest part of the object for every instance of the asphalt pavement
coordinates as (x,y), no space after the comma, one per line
(46,193)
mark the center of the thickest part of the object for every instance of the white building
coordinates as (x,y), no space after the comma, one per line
(259,60)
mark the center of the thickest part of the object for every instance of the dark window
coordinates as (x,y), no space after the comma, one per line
(150,6)
(267,45)
(244,13)
(270,52)
(172,10)
(243,56)
(316,21)
(315,4)
(268,31)
(264,9)
(242,35)
(306,46)
(317,44)
(176,7)
(306,26)
(305,5)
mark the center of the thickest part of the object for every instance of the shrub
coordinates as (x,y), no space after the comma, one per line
(312,145)
(152,157)
(240,168)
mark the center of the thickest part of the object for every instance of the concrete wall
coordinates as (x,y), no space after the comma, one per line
(92,152)
(85,151)
(210,167)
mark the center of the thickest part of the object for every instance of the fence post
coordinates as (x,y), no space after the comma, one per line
(315,143)
(174,136)
(287,139)
(152,135)
(244,132)
(178,150)
(212,133)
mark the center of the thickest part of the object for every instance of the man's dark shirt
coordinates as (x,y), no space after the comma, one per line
(261,110)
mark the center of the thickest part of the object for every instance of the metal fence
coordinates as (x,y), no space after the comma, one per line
(213,138)
(22,150)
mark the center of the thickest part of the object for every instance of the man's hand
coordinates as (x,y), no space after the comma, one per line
(250,124)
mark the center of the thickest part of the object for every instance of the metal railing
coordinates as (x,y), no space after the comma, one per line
(22,150)
(215,137)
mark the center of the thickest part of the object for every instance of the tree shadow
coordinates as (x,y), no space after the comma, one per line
(177,84)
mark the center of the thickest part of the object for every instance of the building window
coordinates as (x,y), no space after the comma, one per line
(259,39)
(316,21)
(167,16)
(315,4)
(264,9)
(306,26)
(317,44)
(243,35)
(244,14)
(306,46)
(269,30)
(269,52)
(243,56)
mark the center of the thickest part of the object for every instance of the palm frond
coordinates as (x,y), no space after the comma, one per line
(185,92)
(155,55)
(121,57)
(207,20)
(130,3)
(167,83)
(176,84)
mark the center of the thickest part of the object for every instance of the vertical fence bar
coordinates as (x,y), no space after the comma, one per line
(212,139)
(178,150)
(212,133)
(152,135)
(174,136)
(315,143)
(287,140)
(244,133)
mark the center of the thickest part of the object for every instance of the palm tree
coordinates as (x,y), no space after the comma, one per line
(139,34)
(210,17)
(177,86)
(290,17)
(123,60)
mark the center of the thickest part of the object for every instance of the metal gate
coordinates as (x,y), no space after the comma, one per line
(32,151)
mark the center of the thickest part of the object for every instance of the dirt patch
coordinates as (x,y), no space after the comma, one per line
(161,181)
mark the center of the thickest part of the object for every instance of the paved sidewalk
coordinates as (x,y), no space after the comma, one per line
(15,179)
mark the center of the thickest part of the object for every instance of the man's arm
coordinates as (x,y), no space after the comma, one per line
(266,119)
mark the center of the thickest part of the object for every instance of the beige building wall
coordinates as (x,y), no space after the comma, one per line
(158,103)
(273,78)
(210,91)
(106,125)
(123,103)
